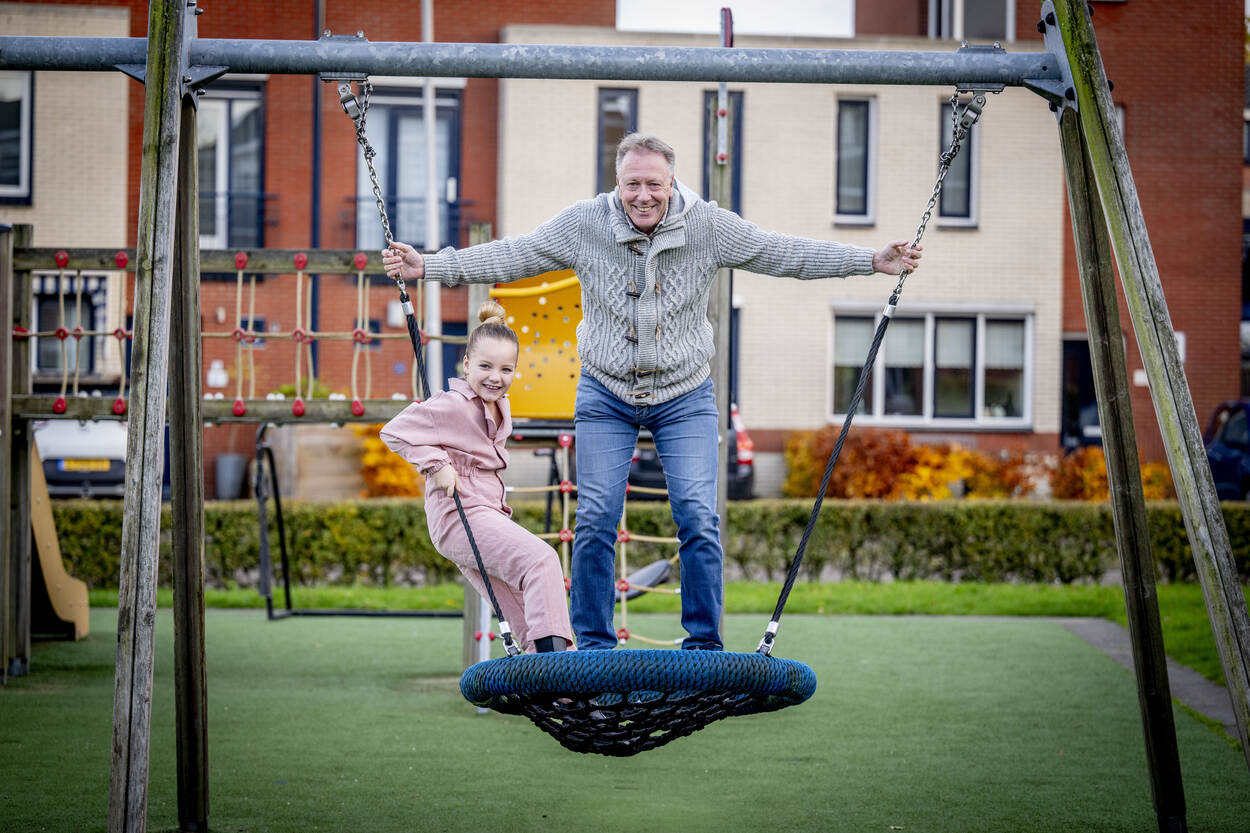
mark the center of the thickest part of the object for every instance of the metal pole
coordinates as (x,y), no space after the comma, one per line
(720,307)
(136,607)
(494,60)
(1169,390)
(6,437)
(1128,505)
(18,659)
(433,289)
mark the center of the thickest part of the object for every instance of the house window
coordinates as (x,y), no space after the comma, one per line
(953,354)
(69,302)
(258,326)
(734,202)
(957,204)
(854,187)
(1004,368)
(618,117)
(948,369)
(396,123)
(230,140)
(1245,137)
(852,336)
(985,20)
(904,367)
(16,139)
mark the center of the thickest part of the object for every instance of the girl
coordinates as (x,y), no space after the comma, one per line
(456,439)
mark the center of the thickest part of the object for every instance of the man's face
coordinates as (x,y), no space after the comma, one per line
(645,185)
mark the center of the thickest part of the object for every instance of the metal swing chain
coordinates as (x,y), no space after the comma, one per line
(357,110)
(961,123)
(962,120)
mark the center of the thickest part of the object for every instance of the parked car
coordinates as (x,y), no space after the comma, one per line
(1228,449)
(83,459)
(645,469)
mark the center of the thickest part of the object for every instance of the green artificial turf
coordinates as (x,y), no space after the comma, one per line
(1186,629)
(345,724)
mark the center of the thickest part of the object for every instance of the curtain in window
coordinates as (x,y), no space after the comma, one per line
(953,361)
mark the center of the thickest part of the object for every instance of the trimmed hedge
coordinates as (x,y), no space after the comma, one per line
(385,542)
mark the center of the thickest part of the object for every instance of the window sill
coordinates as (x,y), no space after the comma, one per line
(957,223)
(909,423)
(853,221)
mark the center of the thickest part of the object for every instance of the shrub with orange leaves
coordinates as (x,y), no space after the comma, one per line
(1082,475)
(885,464)
(386,474)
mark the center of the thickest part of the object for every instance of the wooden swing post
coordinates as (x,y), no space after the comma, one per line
(1128,504)
(136,606)
(1169,390)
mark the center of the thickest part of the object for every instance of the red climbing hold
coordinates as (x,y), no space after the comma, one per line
(301,260)
(62,258)
(240,260)
(238,409)
(298,407)
(58,407)
(358,408)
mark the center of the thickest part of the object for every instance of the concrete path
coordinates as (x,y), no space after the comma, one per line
(1188,686)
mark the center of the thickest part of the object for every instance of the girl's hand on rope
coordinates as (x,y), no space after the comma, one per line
(403,262)
(445,479)
(897,256)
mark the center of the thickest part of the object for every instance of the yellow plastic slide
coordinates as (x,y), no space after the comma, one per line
(69,615)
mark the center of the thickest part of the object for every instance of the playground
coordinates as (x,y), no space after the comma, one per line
(918,723)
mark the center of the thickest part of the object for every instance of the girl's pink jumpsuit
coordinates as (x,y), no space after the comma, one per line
(453,428)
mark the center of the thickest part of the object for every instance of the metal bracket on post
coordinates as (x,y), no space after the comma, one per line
(1061,93)
(342,77)
(980,49)
(191,78)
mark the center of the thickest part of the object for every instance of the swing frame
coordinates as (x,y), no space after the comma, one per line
(173,62)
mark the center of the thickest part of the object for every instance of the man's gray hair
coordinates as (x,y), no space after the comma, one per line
(648,143)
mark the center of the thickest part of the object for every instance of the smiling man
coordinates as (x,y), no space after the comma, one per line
(646,255)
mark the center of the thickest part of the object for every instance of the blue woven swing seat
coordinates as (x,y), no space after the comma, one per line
(623,702)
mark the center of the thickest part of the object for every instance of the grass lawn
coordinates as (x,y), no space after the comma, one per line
(918,724)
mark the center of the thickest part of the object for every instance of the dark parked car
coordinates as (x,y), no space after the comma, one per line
(645,470)
(1228,450)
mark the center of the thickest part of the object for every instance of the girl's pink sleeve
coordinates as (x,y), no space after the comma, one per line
(413,434)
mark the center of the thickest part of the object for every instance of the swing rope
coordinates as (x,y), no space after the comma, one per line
(962,120)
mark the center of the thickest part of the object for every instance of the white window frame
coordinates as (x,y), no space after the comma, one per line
(972,151)
(22,192)
(218,98)
(875,414)
(946,20)
(868,218)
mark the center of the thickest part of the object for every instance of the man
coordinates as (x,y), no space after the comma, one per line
(646,255)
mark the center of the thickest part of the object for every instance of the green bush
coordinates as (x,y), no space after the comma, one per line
(384,542)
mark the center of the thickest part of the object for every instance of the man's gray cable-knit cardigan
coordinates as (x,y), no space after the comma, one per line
(644,332)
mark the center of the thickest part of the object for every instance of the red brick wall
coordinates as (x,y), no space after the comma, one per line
(1178,73)
(892,17)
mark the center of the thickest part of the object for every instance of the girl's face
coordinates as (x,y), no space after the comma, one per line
(489,368)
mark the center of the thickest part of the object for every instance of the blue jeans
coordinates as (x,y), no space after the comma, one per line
(685,432)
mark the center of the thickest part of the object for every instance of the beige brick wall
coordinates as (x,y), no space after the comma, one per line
(80,143)
(1012,258)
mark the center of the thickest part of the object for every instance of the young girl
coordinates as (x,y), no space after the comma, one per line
(456,439)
